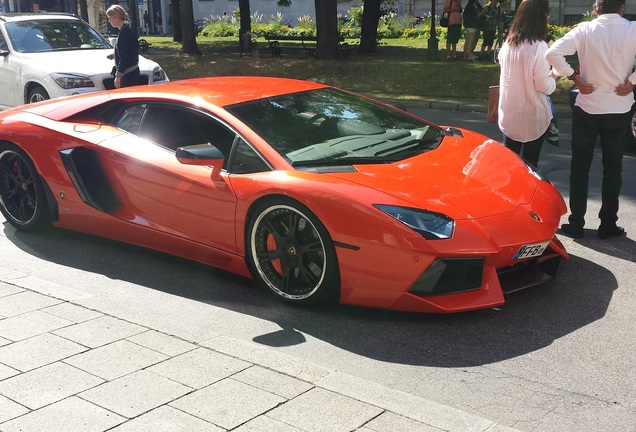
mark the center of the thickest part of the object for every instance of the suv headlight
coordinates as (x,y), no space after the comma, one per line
(158,75)
(430,225)
(70,81)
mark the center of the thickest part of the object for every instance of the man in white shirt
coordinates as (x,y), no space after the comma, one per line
(606,48)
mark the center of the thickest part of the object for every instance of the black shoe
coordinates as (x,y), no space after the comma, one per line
(612,231)
(573,231)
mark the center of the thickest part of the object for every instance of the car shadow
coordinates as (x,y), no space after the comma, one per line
(530,319)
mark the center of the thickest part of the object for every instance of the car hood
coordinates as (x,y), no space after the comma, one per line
(457,179)
(88,62)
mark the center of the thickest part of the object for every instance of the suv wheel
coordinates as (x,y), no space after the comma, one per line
(37,94)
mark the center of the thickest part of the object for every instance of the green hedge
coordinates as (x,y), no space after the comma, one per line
(390,27)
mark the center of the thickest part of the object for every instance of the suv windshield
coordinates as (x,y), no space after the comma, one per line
(53,35)
(332,127)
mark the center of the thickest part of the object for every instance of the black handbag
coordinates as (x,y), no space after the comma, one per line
(443,21)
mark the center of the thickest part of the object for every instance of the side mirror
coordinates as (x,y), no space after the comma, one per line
(202,155)
(4,53)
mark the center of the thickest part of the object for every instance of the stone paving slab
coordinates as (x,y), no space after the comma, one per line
(46,385)
(166,418)
(75,369)
(135,394)
(228,403)
(30,324)
(199,368)
(116,359)
(321,410)
(70,415)
(100,331)
(38,351)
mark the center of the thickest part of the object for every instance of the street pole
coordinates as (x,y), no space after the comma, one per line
(432,53)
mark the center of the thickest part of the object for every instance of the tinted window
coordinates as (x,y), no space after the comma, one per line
(53,35)
(328,126)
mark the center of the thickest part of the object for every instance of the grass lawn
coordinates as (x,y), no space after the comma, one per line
(399,70)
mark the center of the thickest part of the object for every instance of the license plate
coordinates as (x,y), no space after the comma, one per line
(531,250)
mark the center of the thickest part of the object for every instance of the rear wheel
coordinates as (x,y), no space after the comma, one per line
(22,198)
(290,251)
(38,94)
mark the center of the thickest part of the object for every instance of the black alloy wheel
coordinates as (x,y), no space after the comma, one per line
(290,252)
(22,198)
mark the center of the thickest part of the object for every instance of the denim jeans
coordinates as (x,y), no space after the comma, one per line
(613,131)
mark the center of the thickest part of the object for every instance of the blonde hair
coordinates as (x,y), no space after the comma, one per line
(118,11)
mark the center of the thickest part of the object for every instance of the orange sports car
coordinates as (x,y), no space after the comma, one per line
(316,192)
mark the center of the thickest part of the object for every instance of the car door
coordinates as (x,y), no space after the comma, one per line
(8,75)
(157,191)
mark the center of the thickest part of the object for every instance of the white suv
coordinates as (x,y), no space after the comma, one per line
(45,55)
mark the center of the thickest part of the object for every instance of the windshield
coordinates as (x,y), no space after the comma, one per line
(53,35)
(332,127)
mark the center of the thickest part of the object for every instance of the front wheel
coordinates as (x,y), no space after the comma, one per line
(38,94)
(22,198)
(290,251)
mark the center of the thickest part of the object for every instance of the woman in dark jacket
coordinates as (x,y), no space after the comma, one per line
(472,11)
(126,49)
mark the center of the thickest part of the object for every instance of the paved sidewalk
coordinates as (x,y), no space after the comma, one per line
(66,368)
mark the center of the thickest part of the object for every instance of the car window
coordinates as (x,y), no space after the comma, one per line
(245,160)
(130,118)
(3,43)
(175,127)
(331,127)
(53,35)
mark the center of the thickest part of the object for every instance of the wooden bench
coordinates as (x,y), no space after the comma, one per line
(307,45)
(144,46)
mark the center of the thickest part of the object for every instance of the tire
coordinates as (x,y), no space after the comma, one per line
(38,94)
(290,252)
(22,198)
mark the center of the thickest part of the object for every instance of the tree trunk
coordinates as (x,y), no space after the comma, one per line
(327,46)
(177,34)
(83,9)
(189,44)
(369,26)
(132,14)
(245,31)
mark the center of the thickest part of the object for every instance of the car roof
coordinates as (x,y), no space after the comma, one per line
(215,91)
(29,16)
(230,90)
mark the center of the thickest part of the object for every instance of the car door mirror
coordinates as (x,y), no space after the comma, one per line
(202,155)
(4,53)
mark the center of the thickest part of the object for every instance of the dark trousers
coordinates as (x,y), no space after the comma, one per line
(586,128)
(130,79)
(530,150)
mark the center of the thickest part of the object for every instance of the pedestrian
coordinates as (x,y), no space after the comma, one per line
(159,23)
(525,81)
(491,14)
(605,48)
(146,22)
(472,12)
(454,10)
(126,55)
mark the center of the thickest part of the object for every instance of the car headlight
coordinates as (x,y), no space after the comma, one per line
(430,225)
(69,81)
(158,75)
